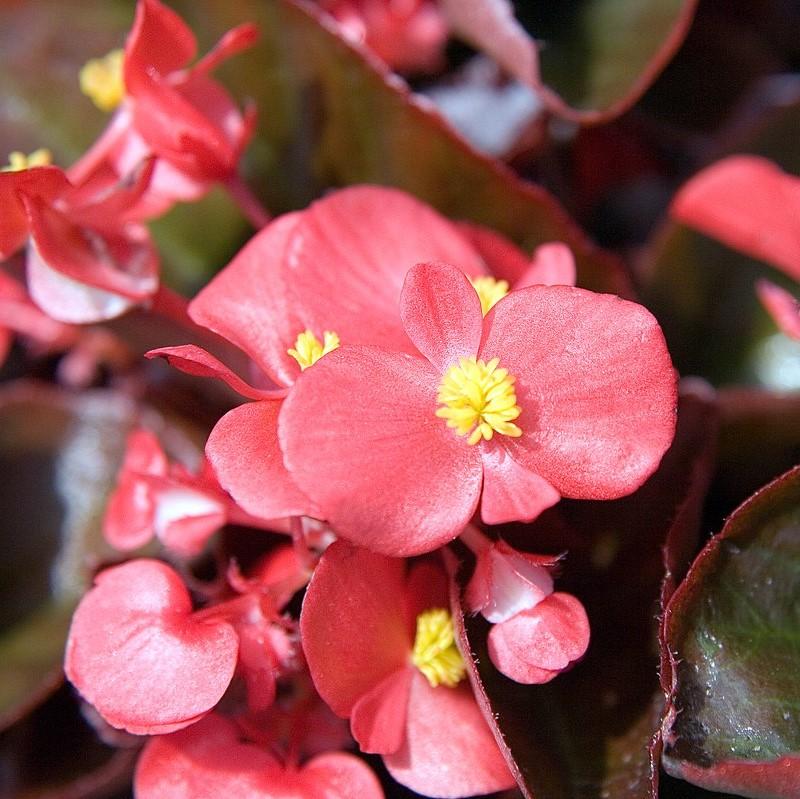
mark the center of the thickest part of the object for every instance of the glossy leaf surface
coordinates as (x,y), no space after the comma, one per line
(731,629)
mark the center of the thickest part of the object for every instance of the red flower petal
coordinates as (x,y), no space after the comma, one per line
(510,491)
(553,265)
(366,640)
(340,776)
(595,384)
(349,255)
(243,449)
(211,761)
(206,761)
(360,435)
(128,520)
(441,313)
(426,587)
(782,307)
(137,654)
(504,260)
(45,181)
(378,719)
(537,644)
(159,40)
(749,204)
(246,303)
(196,361)
(121,263)
(70,300)
(449,750)
(185,518)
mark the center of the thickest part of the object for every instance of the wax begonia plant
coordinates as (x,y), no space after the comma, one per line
(371,568)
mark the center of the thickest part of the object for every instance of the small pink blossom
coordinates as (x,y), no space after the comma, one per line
(86,261)
(362,660)
(138,653)
(156,498)
(537,644)
(173,111)
(150,664)
(535,634)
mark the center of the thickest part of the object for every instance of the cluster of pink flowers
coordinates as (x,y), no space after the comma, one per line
(412,381)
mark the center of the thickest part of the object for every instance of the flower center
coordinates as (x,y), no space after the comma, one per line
(490,291)
(18,161)
(101,80)
(308,349)
(479,399)
(435,653)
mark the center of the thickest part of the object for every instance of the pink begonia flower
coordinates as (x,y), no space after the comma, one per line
(175,112)
(751,205)
(558,391)
(150,664)
(156,498)
(407,35)
(536,634)
(387,659)
(212,760)
(86,261)
(339,267)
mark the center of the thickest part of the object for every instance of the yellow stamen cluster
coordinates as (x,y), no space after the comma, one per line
(435,653)
(490,291)
(479,399)
(308,349)
(18,161)
(101,80)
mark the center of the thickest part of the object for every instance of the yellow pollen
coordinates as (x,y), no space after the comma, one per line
(101,80)
(479,399)
(489,290)
(308,349)
(435,653)
(18,161)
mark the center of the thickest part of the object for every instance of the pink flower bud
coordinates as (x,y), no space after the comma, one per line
(507,582)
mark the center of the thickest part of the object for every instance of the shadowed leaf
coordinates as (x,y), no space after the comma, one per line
(732,635)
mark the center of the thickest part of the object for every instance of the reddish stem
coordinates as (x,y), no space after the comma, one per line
(248,203)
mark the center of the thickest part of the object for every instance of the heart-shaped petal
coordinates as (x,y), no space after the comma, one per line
(137,653)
